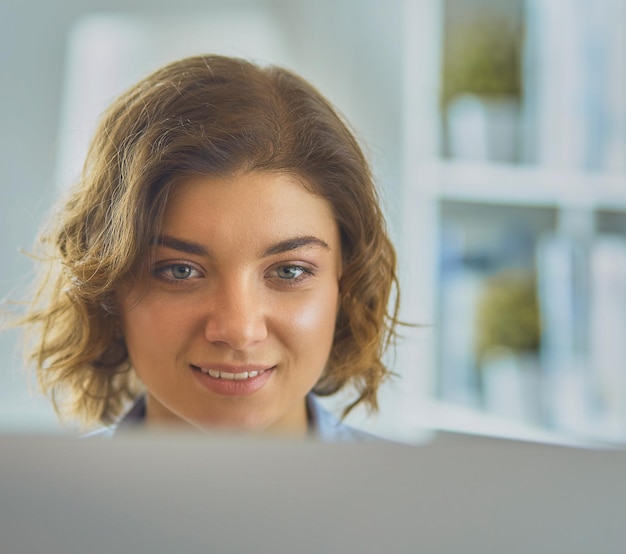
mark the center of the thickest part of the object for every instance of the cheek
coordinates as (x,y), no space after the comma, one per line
(312,323)
(151,329)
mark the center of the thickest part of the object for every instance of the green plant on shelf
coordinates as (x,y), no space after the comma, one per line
(508,314)
(483,57)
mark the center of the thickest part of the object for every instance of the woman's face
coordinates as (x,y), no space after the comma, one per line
(233,322)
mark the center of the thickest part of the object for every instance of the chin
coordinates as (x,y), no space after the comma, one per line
(233,423)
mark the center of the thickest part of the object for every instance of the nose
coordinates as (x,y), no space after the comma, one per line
(236,316)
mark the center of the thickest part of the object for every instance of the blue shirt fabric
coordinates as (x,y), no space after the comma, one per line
(323,425)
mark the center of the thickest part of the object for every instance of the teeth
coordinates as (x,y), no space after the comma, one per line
(241,376)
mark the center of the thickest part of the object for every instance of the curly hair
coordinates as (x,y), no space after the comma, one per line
(205,115)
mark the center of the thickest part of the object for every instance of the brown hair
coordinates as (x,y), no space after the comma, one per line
(207,115)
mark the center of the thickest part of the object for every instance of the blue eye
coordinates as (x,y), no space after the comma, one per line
(180,271)
(176,272)
(289,272)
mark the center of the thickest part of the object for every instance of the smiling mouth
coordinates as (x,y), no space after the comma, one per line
(229,376)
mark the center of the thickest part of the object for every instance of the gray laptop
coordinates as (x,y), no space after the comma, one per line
(181,494)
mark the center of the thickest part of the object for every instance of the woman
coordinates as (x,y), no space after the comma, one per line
(221,262)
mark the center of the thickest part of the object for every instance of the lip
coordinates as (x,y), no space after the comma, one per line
(235,386)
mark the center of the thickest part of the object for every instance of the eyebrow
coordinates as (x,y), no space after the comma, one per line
(186,246)
(294,244)
(197,249)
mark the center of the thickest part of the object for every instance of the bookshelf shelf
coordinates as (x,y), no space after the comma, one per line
(446,416)
(520,185)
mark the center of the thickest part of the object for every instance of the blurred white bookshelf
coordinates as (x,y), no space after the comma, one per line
(557,198)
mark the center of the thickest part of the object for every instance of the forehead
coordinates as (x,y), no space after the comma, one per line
(250,206)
